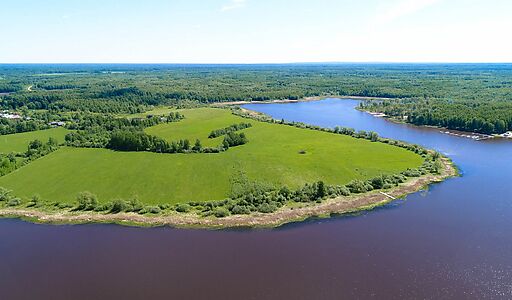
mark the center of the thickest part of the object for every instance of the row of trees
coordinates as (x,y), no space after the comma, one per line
(96,131)
(233,139)
(174,117)
(36,149)
(87,201)
(140,141)
(122,134)
(126,140)
(229,129)
(10,126)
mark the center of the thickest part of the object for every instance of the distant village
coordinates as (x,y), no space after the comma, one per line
(5,114)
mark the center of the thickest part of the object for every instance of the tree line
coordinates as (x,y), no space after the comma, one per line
(35,149)
(129,140)
(96,130)
(226,130)
(487,117)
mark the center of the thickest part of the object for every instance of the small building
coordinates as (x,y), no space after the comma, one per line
(7,115)
(507,134)
(57,123)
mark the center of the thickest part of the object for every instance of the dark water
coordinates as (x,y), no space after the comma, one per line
(452,241)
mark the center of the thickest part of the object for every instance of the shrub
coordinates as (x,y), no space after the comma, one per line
(119,206)
(164,206)
(221,212)
(104,207)
(412,173)
(336,190)
(183,208)
(64,205)
(35,201)
(436,155)
(86,201)
(321,190)
(359,186)
(5,194)
(240,210)
(377,182)
(134,205)
(387,186)
(153,209)
(233,139)
(210,150)
(14,202)
(267,208)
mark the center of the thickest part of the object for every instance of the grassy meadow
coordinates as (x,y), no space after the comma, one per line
(271,156)
(19,142)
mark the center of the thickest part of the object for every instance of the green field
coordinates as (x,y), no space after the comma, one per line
(198,124)
(271,156)
(19,142)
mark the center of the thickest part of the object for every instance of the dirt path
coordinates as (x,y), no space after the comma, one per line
(284,215)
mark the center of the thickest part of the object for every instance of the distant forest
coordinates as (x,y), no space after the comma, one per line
(471,97)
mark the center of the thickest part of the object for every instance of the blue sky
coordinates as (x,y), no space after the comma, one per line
(255,31)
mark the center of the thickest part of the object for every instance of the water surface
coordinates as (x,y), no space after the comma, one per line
(452,241)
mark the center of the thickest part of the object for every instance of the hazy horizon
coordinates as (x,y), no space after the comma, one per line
(260,63)
(256,32)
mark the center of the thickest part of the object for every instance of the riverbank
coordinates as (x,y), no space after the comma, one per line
(470,135)
(287,214)
(305,99)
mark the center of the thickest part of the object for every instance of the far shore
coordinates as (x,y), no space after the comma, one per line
(287,214)
(305,99)
(465,134)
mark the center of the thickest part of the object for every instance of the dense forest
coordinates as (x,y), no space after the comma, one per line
(474,116)
(474,97)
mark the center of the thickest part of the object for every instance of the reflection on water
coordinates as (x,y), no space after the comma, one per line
(451,241)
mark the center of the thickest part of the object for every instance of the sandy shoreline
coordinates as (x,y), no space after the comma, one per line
(284,215)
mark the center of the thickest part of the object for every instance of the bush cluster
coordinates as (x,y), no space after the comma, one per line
(226,130)
(87,201)
(97,131)
(36,149)
(7,197)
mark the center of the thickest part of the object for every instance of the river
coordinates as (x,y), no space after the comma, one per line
(453,240)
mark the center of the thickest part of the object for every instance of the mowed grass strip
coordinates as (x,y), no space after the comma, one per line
(271,156)
(19,142)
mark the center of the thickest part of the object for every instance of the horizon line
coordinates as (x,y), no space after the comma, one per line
(252,63)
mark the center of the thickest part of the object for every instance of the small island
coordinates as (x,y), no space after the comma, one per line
(204,167)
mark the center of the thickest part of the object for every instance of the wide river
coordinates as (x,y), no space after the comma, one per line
(452,241)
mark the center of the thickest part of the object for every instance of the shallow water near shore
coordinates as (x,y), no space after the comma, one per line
(452,241)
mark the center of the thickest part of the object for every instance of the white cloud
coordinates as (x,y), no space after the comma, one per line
(233,4)
(403,8)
